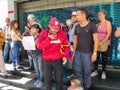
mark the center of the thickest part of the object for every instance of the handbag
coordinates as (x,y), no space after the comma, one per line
(103,47)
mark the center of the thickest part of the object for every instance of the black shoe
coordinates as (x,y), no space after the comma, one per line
(15,70)
(5,76)
(20,67)
(30,68)
(9,62)
(88,88)
(71,76)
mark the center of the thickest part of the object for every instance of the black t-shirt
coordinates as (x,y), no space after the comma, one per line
(85,37)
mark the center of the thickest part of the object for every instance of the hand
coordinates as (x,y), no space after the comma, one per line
(72,57)
(52,36)
(94,58)
(64,60)
(100,43)
(22,42)
(26,28)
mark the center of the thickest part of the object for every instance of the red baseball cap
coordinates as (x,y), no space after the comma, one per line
(55,24)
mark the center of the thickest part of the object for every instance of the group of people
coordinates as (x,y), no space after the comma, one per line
(85,40)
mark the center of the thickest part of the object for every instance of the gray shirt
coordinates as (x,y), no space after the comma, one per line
(71,31)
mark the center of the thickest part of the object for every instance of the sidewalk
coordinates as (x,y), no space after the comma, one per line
(9,87)
(23,80)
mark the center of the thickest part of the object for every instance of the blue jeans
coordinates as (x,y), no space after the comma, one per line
(82,66)
(15,50)
(38,65)
(30,57)
(7,52)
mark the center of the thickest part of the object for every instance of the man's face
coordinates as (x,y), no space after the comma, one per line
(7,21)
(79,15)
(73,19)
(54,30)
(31,21)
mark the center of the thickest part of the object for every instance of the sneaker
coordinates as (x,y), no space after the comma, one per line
(103,76)
(5,76)
(36,82)
(14,69)
(40,84)
(94,74)
(20,67)
(71,76)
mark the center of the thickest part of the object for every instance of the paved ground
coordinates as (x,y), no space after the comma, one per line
(9,87)
(24,79)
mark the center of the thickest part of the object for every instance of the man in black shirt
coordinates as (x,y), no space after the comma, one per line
(84,51)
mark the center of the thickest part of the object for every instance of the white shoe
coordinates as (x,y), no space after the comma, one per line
(36,82)
(40,84)
(94,74)
(103,76)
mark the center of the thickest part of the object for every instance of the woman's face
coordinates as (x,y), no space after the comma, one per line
(34,30)
(16,25)
(101,15)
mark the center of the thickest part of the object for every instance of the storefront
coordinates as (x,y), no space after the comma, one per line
(42,9)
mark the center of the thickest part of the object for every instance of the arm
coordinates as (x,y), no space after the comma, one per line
(74,44)
(43,41)
(66,47)
(18,37)
(109,30)
(96,43)
(117,33)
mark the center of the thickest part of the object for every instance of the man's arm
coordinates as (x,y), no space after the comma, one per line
(43,41)
(96,43)
(74,44)
(66,48)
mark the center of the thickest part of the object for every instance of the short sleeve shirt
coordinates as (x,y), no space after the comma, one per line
(85,37)
(12,33)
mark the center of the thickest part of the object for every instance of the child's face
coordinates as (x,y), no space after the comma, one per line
(34,30)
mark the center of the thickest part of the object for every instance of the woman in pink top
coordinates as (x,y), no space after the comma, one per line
(104,32)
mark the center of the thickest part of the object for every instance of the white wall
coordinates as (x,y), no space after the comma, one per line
(3,12)
(5,6)
(11,8)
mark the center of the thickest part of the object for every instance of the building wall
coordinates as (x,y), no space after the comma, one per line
(6,10)
(3,12)
(64,13)
(54,4)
